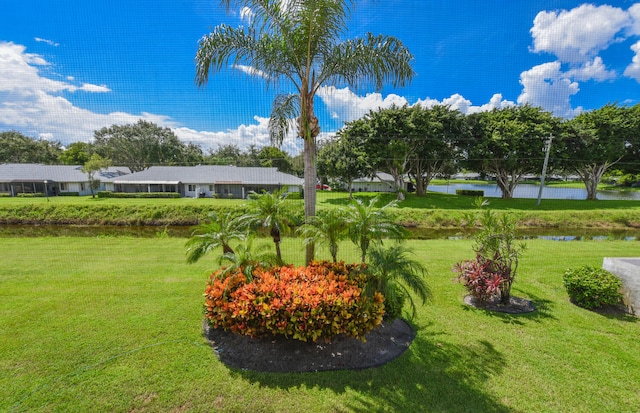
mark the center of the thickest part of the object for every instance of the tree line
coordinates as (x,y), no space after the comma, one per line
(507,144)
(138,146)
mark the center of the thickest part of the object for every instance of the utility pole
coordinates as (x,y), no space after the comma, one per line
(547,150)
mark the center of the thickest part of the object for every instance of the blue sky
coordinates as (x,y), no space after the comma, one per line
(70,67)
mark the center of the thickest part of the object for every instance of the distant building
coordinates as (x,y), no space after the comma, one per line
(221,181)
(382,182)
(189,181)
(52,180)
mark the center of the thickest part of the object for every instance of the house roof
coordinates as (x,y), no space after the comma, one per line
(210,174)
(29,172)
(380,177)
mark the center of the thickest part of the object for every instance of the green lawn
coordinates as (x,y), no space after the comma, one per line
(114,324)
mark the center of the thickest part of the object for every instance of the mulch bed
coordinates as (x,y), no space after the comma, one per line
(516,305)
(280,354)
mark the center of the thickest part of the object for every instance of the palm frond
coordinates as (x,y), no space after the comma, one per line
(374,60)
(284,111)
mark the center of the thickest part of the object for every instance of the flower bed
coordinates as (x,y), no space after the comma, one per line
(321,300)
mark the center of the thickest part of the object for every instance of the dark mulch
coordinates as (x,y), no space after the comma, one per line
(516,305)
(279,354)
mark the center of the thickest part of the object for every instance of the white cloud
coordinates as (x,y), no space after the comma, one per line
(47,41)
(251,71)
(245,135)
(633,70)
(595,70)
(33,104)
(464,105)
(86,87)
(579,34)
(346,106)
(246,14)
(547,86)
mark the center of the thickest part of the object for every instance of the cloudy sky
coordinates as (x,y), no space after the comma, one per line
(70,67)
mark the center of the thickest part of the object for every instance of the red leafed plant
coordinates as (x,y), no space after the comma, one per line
(483,277)
(320,300)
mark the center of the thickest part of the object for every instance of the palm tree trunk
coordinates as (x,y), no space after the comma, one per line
(309,189)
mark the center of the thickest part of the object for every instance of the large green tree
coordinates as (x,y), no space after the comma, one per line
(433,140)
(344,160)
(143,144)
(594,141)
(76,153)
(384,136)
(18,148)
(508,143)
(300,42)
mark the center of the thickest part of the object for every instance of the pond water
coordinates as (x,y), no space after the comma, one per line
(531,191)
(9,231)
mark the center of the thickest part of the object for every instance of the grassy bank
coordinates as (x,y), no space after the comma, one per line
(432,211)
(115,325)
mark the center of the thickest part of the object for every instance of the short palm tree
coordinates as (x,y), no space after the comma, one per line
(396,276)
(218,231)
(246,259)
(327,228)
(271,210)
(367,223)
(301,42)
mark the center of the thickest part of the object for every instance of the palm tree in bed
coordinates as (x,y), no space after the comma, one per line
(299,42)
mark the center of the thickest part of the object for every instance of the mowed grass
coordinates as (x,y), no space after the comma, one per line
(115,325)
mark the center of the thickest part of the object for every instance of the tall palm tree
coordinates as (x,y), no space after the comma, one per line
(367,223)
(218,231)
(299,41)
(396,275)
(271,210)
(326,228)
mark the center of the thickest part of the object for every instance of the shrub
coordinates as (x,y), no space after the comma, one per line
(321,300)
(30,195)
(497,258)
(482,277)
(469,192)
(109,194)
(591,287)
(69,194)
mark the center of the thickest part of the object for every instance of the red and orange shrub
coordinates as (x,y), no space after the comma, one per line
(321,300)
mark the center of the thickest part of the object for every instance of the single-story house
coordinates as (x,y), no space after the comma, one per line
(382,182)
(222,181)
(51,180)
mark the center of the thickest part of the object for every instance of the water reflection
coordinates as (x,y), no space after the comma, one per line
(531,191)
(10,231)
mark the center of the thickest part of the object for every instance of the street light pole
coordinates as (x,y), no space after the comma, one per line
(547,149)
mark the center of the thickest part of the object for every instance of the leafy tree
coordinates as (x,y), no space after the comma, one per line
(96,163)
(76,154)
(270,156)
(366,224)
(228,154)
(508,143)
(397,276)
(383,135)
(327,228)
(345,160)
(18,148)
(595,141)
(218,231)
(272,211)
(434,138)
(141,145)
(299,41)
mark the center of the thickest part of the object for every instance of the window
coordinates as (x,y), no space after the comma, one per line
(192,188)
(63,186)
(81,186)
